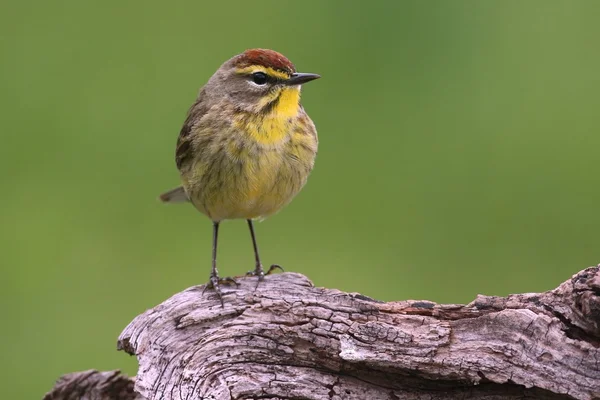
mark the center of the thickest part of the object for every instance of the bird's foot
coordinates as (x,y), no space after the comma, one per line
(215,283)
(260,273)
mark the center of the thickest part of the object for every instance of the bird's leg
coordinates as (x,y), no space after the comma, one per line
(215,281)
(258,270)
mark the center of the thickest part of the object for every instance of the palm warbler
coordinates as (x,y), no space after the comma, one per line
(247,145)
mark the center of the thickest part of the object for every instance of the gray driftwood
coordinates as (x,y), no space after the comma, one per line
(94,385)
(290,340)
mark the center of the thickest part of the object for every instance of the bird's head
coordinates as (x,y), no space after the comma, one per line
(260,81)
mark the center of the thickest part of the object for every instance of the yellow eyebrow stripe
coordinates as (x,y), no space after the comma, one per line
(267,70)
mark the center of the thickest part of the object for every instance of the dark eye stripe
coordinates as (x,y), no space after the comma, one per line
(269,79)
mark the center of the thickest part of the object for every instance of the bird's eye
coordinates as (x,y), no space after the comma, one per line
(260,78)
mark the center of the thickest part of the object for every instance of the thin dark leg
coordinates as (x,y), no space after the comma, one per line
(258,270)
(214,273)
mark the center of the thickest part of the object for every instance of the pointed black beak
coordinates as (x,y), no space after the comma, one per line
(299,78)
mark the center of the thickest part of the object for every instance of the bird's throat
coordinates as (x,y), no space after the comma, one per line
(288,103)
(273,126)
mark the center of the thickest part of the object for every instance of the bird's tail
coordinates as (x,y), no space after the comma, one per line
(176,195)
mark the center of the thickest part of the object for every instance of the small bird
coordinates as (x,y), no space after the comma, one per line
(247,146)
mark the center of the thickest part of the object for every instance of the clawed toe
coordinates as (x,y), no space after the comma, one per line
(215,283)
(260,273)
(274,267)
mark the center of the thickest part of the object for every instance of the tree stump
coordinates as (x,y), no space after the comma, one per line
(290,340)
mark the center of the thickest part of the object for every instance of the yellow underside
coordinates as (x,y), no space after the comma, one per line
(265,163)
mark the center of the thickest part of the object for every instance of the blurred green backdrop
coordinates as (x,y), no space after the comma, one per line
(458,155)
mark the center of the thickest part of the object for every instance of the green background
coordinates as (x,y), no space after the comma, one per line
(459,154)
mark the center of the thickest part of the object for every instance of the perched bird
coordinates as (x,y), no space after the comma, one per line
(247,145)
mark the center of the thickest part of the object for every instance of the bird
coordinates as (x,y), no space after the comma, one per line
(246,147)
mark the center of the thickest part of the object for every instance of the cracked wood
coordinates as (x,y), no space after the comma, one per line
(93,385)
(291,340)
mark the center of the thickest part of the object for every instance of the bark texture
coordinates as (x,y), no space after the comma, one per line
(290,340)
(93,385)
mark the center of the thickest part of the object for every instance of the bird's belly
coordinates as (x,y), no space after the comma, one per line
(262,199)
(252,188)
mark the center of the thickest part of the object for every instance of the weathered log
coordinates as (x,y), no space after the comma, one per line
(290,340)
(93,385)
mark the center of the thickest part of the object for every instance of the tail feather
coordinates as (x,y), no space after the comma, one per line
(176,195)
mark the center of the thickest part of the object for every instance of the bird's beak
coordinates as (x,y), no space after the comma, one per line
(299,78)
